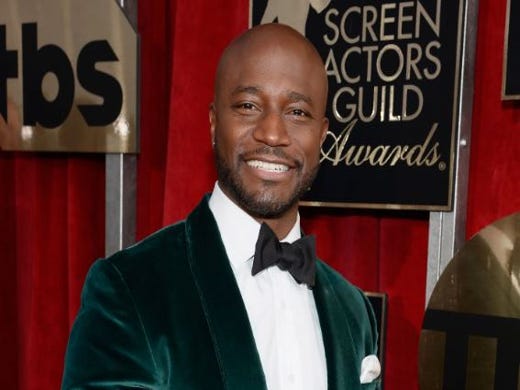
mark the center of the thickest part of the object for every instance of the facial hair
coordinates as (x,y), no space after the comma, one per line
(260,204)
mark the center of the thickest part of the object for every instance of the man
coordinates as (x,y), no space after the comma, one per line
(182,309)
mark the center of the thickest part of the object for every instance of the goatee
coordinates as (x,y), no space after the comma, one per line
(260,204)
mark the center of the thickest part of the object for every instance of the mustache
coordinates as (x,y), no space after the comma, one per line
(267,150)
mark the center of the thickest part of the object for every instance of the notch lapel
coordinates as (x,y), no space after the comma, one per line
(223,307)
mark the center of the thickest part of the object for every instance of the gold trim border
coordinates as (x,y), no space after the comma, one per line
(375,206)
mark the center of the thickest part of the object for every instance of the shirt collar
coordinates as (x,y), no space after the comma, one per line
(238,230)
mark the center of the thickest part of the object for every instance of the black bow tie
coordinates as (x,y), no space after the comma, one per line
(298,258)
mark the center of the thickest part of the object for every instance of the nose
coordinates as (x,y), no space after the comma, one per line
(271,130)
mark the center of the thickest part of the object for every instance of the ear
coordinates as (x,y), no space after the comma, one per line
(324,129)
(212,122)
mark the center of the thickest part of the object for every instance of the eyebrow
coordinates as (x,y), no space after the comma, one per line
(252,89)
(298,97)
(255,90)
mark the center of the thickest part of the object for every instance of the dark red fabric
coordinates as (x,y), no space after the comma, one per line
(8,296)
(52,205)
(203,29)
(494,180)
(157,33)
(52,224)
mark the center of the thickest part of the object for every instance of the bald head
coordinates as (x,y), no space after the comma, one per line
(268,42)
(268,122)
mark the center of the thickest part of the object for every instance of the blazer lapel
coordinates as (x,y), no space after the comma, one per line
(337,337)
(223,306)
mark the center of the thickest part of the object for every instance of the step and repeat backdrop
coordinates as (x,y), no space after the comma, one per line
(66,83)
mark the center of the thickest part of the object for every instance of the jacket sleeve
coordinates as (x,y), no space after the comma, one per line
(108,346)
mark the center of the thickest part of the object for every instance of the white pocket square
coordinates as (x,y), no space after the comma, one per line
(370,369)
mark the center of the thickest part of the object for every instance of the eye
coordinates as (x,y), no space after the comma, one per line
(299,112)
(246,106)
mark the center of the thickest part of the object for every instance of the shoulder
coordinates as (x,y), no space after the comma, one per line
(155,259)
(165,245)
(152,250)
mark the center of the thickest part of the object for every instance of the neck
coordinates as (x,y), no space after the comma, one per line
(282,225)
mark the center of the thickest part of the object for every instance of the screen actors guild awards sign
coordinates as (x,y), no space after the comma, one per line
(68,77)
(393,70)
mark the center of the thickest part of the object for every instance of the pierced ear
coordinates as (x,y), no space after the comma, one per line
(324,130)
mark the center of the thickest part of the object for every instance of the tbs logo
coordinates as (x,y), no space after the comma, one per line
(38,62)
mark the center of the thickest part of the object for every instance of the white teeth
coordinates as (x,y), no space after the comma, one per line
(267,166)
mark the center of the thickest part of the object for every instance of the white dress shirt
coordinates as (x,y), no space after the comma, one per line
(282,313)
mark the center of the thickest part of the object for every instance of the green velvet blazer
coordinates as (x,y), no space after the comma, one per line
(167,314)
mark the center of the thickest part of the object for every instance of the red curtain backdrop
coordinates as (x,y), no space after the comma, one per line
(494,181)
(52,205)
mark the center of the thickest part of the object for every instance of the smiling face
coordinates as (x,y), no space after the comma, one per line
(267,120)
